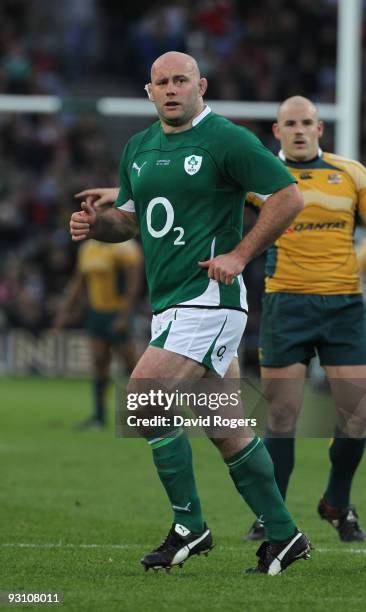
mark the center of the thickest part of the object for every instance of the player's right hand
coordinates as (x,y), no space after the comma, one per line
(82,222)
(99,197)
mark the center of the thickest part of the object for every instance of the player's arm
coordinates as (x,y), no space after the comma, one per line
(111,225)
(74,292)
(277,213)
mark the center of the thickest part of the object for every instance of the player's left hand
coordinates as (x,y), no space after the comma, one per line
(223,268)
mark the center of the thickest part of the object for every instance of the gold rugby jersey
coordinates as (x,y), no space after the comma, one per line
(103,266)
(316,253)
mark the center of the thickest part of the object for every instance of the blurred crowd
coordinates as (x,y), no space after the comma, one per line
(249,50)
(260,50)
(45,161)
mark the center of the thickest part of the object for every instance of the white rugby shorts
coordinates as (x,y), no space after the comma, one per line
(209,336)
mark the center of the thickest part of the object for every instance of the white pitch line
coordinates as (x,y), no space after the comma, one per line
(355,551)
(342,551)
(61,545)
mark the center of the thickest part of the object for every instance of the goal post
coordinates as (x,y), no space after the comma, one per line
(348,90)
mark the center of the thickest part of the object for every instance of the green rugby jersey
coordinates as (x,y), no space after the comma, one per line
(188,190)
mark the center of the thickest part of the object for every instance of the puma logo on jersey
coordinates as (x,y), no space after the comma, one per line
(138,168)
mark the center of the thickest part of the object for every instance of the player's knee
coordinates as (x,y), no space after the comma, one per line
(282,416)
(355,427)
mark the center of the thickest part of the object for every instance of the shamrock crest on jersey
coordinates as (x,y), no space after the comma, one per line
(192,164)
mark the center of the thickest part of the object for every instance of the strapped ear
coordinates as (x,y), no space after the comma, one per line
(147,88)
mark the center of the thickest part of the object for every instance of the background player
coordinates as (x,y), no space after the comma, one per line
(109,276)
(313,303)
(182,185)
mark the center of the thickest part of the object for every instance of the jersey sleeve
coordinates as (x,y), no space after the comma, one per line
(250,165)
(125,199)
(357,173)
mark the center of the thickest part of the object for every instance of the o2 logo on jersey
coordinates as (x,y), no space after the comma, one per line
(169,222)
(221,352)
(192,164)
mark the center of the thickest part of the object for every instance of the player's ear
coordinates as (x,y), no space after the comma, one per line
(147,88)
(202,86)
(276,131)
(320,128)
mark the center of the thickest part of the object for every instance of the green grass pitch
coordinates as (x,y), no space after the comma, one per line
(78,510)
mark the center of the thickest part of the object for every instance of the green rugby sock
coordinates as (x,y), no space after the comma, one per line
(173,460)
(252,472)
(345,455)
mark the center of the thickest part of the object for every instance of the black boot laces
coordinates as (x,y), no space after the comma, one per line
(172,541)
